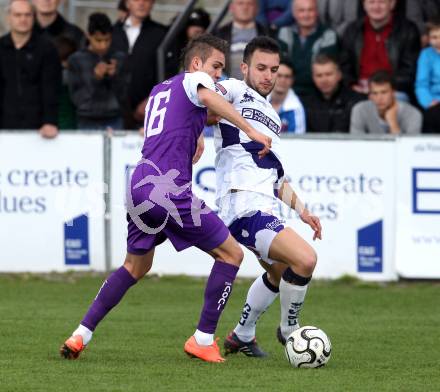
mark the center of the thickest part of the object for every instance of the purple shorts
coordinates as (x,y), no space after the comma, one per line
(257,232)
(155,213)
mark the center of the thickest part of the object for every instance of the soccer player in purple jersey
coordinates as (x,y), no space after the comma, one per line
(161,205)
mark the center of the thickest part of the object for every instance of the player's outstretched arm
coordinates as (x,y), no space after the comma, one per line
(288,196)
(224,109)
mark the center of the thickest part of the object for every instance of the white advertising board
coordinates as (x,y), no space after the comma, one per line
(51,203)
(418,208)
(348,184)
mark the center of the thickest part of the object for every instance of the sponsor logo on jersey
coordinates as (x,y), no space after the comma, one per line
(256,115)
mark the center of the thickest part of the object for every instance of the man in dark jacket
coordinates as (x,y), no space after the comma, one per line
(50,21)
(139,37)
(328,108)
(239,32)
(380,42)
(67,39)
(30,75)
(304,40)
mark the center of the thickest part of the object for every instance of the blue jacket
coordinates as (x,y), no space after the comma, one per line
(428,77)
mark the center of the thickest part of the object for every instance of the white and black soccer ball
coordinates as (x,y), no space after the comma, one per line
(308,347)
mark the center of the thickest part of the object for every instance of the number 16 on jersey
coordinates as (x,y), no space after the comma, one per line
(155,111)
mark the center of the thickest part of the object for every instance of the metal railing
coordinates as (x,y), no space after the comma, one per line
(74,4)
(174,30)
(220,16)
(177,27)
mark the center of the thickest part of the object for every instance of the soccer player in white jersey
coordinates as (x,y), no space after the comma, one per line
(248,190)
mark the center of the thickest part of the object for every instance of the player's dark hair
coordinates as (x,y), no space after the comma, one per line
(202,47)
(381,77)
(99,22)
(323,58)
(433,24)
(262,43)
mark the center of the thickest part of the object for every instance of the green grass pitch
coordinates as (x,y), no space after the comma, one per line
(385,338)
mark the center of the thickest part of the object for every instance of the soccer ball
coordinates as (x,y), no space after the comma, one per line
(308,347)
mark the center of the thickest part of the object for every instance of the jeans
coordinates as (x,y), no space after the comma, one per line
(91,124)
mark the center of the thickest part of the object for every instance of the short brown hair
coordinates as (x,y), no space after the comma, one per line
(433,24)
(382,77)
(324,58)
(202,47)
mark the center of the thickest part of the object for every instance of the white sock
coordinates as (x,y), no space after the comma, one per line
(291,300)
(203,338)
(259,298)
(84,332)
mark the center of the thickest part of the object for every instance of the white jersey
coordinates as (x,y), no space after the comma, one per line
(237,164)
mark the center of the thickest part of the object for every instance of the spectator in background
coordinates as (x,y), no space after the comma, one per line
(338,14)
(304,40)
(67,38)
(122,10)
(274,14)
(30,75)
(50,21)
(239,32)
(428,79)
(380,42)
(285,101)
(382,113)
(197,24)
(67,111)
(420,12)
(139,37)
(96,80)
(328,108)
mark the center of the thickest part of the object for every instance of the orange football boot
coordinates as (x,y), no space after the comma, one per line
(205,353)
(72,347)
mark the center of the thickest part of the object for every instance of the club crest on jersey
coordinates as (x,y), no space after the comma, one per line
(247,98)
(256,115)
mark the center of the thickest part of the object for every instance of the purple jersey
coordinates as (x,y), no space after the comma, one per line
(174,120)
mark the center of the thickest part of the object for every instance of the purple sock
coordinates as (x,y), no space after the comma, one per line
(218,289)
(108,297)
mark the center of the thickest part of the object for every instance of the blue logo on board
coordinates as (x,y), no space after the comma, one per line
(370,248)
(76,241)
(426,191)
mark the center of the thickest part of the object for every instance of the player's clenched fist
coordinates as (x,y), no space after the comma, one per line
(266,141)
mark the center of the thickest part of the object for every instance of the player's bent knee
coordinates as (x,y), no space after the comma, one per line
(236,256)
(138,265)
(230,252)
(309,262)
